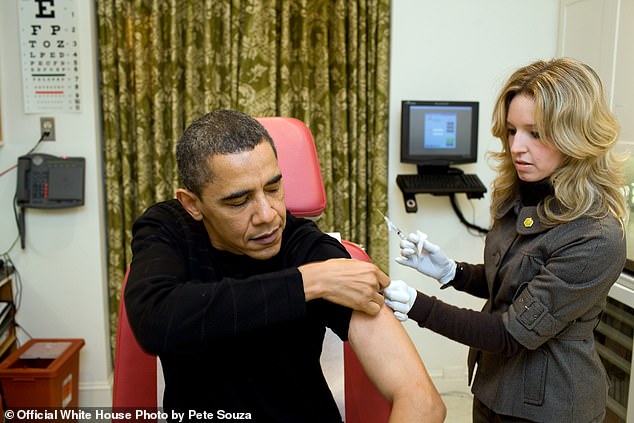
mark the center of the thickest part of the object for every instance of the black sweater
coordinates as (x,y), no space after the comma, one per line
(233,333)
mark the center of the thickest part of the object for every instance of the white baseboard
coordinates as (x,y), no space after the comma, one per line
(95,394)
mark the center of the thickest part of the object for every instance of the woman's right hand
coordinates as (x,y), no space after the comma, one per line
(420,254)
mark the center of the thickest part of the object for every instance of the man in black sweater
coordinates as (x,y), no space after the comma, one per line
(234,294)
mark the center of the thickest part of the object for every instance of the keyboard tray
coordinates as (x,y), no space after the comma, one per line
(442,184)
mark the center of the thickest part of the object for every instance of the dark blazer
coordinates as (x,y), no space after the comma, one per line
(550,286)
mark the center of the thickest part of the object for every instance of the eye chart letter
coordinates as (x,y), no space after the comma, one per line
(50,55)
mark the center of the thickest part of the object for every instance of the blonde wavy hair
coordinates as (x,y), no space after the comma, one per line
(571,114)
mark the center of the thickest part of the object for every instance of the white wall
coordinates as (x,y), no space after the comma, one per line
(451,50)
(455,50)
(62,267)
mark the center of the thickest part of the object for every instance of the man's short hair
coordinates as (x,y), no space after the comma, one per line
(219,132)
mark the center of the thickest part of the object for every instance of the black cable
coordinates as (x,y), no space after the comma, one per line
(470,225)
(22,228)
(18,213)
(44,134)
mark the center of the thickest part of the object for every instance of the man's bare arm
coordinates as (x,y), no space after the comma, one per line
(393,364)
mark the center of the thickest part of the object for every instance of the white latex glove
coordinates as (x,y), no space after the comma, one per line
(400,297)
(427,258)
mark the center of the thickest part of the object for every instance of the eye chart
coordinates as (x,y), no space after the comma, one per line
(50,55)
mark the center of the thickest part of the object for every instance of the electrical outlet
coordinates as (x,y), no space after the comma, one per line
(47,128)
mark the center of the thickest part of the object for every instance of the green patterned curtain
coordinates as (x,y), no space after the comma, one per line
(166,62)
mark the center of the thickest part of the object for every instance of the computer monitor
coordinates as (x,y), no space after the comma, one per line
(437,134)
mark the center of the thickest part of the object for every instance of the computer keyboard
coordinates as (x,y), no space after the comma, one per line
(441,184)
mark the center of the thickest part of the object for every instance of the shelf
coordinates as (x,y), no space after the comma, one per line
(7,343)
(617,408)
(8,338)
(615,335)
(619,314)
(4,280)
(614,343)
(614,358)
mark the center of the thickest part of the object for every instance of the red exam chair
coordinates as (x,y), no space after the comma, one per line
(136,379)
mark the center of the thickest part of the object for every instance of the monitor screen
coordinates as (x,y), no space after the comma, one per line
(439,133)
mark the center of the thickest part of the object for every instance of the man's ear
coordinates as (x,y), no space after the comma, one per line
(190,202)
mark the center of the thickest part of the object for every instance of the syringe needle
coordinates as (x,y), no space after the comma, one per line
(392,227)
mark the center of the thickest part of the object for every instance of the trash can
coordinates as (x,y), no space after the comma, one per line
(43,373)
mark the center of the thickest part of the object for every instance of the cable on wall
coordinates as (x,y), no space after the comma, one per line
(456,209)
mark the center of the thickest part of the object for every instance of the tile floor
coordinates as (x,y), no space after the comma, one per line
(458,405)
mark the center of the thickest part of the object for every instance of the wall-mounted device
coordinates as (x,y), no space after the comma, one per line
(435,135)
(48,182)
(439,133)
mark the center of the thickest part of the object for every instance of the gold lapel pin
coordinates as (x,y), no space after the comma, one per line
(528,222)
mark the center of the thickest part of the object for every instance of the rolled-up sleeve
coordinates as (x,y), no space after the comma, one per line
(530,321)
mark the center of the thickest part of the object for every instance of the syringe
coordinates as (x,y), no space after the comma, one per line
(393,228)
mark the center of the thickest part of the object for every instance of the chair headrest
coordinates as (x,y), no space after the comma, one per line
(299,163)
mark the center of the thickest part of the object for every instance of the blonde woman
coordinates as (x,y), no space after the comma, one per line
(556,246)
